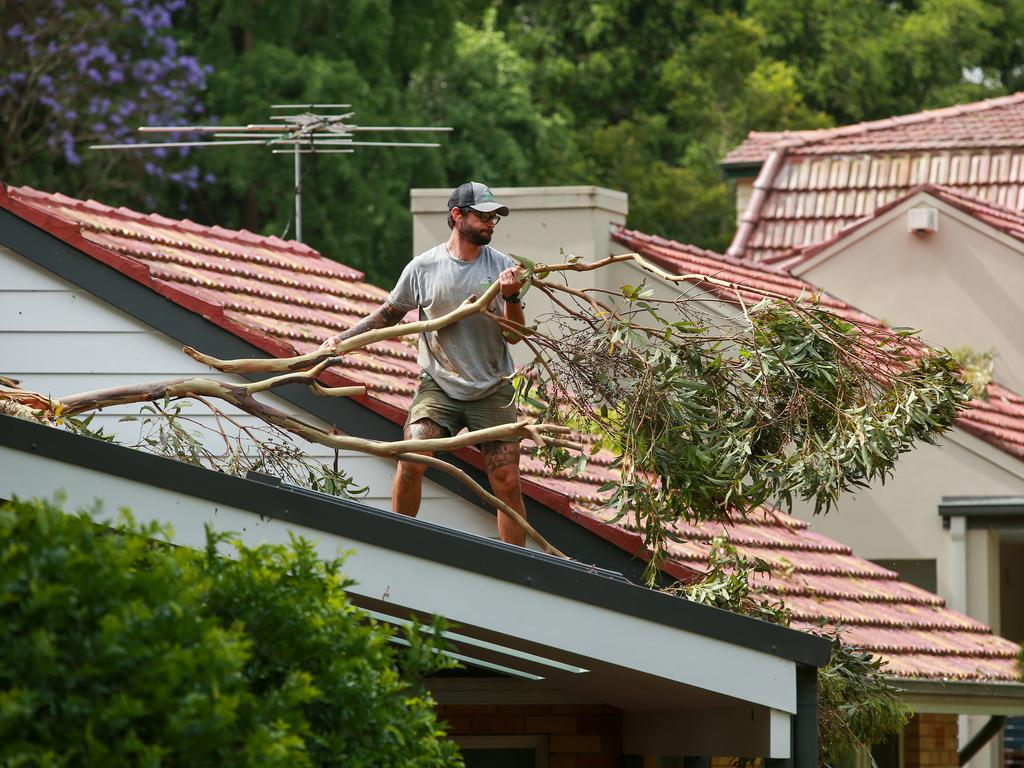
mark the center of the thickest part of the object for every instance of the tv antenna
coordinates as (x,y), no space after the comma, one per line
(295,129)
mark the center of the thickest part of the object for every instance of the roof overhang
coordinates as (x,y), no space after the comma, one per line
(747,170)
(58,247)
(961,697)
(984,511)
(560,626)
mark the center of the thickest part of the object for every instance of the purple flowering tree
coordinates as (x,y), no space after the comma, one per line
(79,72)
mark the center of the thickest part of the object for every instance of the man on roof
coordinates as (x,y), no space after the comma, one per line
(467,366)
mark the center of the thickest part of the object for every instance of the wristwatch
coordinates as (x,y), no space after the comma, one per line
(513,299)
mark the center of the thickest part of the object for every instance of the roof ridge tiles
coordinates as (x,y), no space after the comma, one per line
(620,230)
(241,235)
(796,139)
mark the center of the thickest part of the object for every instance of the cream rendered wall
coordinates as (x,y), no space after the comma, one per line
(962,285)
(58,339)
(900,520)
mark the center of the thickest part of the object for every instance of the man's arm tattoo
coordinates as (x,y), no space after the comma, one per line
(386,315)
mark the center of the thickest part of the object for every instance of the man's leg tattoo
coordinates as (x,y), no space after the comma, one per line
(407,489)
(501,460)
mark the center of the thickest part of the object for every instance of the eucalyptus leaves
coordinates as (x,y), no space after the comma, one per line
(709,413)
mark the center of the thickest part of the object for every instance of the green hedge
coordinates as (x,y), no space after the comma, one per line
(117,649)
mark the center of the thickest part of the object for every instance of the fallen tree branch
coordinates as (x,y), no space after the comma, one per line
(282,364)
(241,397)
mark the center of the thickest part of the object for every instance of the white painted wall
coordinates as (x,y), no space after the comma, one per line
(58,339)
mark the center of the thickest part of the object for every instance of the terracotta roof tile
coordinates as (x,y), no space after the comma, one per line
(998,419)
(283,297)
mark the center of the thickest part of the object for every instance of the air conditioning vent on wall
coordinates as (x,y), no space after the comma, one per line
(922,220)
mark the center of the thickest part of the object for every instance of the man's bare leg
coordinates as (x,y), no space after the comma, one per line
(501,460)
(407,488)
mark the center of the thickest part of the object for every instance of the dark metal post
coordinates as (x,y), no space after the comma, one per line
(982,737)
(805,724)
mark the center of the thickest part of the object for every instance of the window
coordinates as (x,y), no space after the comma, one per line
(920,573)
(504,751)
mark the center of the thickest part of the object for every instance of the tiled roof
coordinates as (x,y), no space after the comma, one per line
(284,298)
(822,181)
(820,578)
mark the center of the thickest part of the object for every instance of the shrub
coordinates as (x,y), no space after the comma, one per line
(117,648)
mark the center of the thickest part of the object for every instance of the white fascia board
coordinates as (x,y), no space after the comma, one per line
(608,643)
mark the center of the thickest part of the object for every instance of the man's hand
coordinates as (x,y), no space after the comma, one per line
(386,315)
(329,344)
(510,282)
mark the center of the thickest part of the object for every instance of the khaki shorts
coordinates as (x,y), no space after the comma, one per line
(431,402)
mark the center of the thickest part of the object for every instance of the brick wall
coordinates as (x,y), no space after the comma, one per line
(930,741)
(578,736)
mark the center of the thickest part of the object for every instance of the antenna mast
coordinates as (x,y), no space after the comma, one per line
(296,129)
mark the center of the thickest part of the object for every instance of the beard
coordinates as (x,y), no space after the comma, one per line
(475,236)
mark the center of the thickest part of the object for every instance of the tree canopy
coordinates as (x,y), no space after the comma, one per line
(642,97)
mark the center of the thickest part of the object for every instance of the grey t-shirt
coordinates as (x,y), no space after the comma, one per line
(470,358)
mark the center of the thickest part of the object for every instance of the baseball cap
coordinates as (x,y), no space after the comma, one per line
(475,195)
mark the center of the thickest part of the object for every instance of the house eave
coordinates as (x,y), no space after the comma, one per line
(961,697)
(746,170)
(565,626)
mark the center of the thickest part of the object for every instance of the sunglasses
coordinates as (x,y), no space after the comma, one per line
(486,218)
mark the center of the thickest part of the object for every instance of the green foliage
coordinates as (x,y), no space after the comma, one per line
(977,369)
(704,420)
(118,649)
(726,584)
(857,706)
